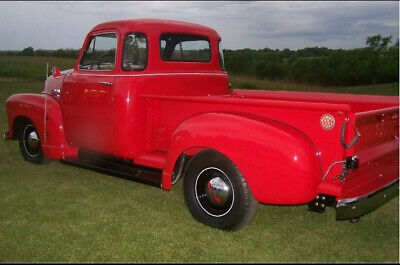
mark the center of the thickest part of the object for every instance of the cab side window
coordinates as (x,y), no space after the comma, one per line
(134,55)
(100,53)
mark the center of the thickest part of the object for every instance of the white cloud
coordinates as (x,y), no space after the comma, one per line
(52,25)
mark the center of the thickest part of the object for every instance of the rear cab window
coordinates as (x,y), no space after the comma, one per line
(100,53)
(184,48)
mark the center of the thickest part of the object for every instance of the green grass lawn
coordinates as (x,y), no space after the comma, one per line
(59,213)
(246,82)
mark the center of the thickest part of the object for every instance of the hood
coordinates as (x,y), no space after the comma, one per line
(52,82)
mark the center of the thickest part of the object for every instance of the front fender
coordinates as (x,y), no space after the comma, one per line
(32,106)
(279,162)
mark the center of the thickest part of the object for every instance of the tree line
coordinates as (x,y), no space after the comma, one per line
(376,63)
(29,51)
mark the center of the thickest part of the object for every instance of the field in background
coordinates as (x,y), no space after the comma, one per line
(246,82)
(35,68)
(31,66)
(59,213)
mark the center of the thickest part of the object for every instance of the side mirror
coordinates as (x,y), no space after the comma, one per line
(55,71)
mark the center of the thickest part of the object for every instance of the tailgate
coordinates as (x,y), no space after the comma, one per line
(378,151)
(379,130)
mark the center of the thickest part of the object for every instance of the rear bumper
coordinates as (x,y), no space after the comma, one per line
(359,206)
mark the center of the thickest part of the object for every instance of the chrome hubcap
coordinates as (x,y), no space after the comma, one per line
(214,192)
(217,192)
(31,141)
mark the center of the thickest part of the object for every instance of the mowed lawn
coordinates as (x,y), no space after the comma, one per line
(59,213)
(247,82)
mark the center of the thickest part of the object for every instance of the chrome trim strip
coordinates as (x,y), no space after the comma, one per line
(161,74)
(359,206)
(155,74)
(94,74)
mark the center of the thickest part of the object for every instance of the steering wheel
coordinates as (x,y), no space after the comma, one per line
(99,60)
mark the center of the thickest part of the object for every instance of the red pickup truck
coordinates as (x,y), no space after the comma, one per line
(150,99)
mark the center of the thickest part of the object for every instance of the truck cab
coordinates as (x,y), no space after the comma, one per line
(121,61)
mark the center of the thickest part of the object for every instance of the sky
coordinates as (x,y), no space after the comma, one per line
(241,24)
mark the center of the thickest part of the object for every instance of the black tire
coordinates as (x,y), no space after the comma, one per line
(216,192)
(30,144)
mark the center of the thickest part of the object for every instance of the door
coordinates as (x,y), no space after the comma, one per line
(87,97)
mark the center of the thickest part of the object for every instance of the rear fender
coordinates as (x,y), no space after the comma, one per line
(280,163)
(32,106)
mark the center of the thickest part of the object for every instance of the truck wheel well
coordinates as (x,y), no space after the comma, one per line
(180,167)
(17,125)
(182,161)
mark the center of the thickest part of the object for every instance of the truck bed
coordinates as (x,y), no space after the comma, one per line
(357,103)
(302,110)
(376,120)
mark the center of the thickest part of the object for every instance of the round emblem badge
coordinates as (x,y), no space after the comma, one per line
(327,121)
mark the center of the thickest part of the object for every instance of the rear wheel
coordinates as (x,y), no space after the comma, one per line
(216,192)
(30,144)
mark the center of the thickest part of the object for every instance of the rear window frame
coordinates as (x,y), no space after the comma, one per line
(206,38)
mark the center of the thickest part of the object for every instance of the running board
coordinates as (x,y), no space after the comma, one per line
(116,167)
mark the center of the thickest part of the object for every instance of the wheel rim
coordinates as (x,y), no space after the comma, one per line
(31,141)
(214,192)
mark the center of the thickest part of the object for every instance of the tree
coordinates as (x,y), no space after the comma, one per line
(378,43)
(28,51)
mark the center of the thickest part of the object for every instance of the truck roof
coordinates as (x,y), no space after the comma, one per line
(159,24)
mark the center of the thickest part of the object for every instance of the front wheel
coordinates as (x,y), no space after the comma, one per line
(30,144)
(216,193)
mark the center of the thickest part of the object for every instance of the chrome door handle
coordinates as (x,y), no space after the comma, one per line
(105,83)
